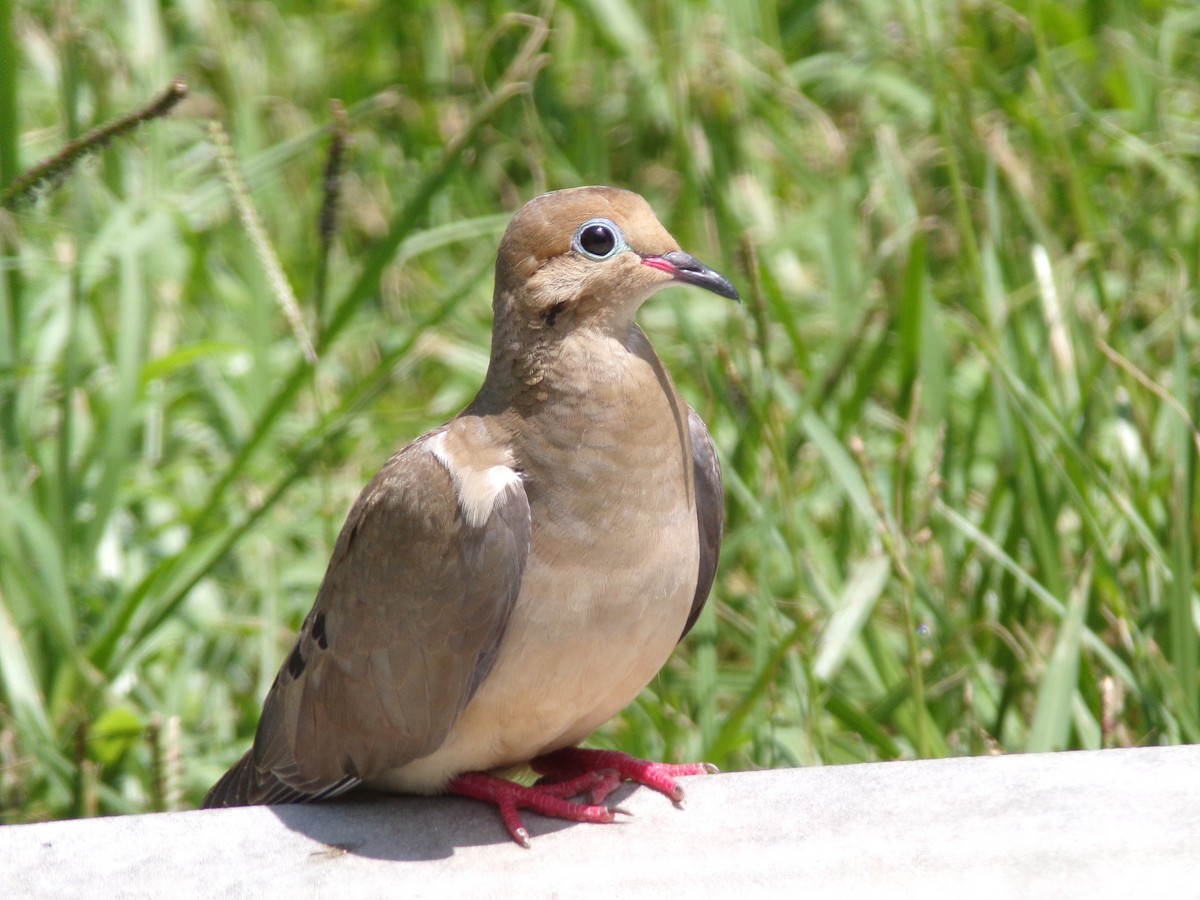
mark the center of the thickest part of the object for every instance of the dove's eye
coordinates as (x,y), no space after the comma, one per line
(598,239)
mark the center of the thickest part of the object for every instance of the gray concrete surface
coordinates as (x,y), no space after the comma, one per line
(1117,823)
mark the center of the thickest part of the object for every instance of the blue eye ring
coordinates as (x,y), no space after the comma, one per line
(598,239)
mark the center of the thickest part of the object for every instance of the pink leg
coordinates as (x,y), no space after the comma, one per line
(573,761)
(547,799)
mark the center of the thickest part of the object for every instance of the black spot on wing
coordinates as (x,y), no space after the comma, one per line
(295,662)
(318,631)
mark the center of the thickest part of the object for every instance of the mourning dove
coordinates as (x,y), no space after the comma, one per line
(511,580)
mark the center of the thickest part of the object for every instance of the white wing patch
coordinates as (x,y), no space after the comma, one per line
(477,488)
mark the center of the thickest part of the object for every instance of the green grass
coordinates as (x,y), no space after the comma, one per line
(957,410)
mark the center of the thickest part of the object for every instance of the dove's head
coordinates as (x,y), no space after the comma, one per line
(588,256)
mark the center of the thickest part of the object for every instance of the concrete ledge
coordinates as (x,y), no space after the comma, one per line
(1116,823)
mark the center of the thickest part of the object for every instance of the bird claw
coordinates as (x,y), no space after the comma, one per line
(571,761)
(548,799)
(569,773)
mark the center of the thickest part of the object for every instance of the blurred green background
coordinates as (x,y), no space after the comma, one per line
(957,410)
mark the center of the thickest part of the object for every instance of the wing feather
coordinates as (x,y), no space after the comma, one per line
(710,512)
(404,628)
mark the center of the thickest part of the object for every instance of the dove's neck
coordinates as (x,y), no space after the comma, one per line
(583,367)
(603,388)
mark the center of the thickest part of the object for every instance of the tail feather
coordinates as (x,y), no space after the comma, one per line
(237,787)
(247,785)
